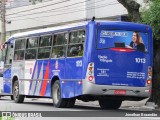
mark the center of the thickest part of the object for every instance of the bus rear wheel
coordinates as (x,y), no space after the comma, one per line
(56,96)
(109,104)
(17,98)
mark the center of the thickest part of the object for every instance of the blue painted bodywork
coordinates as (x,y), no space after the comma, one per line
(71,75)
(7,81)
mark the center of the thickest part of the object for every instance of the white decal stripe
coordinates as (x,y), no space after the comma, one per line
(40,79)
(34,82)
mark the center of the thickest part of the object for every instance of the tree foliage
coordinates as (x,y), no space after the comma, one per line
(151,16)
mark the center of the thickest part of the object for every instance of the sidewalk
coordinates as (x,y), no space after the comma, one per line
(140,105)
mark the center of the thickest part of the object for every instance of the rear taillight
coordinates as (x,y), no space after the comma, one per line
(149,81)
(90,73)
(149,78)
(90,78)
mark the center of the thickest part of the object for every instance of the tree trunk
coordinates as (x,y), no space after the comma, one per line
(156,74)
(132,8)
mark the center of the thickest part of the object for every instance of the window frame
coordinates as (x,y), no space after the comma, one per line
(82,42)
(44,46)
(16,39)
(66,45)
(32,48)
(8,52)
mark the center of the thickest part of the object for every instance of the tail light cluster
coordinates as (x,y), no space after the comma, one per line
(149,79)
(90,73)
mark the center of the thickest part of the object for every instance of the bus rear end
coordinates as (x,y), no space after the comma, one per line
(119,68)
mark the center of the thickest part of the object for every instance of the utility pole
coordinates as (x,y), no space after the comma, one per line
(3,28)
(3,22)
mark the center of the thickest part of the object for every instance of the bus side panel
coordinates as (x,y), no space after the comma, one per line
(71,89)
(73,68)
(42,77)
(18,70)
(72,85)
(67,89)
(55,68)
(7,81)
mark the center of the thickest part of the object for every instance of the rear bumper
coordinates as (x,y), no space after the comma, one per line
(94,89)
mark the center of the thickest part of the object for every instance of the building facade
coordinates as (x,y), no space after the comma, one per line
(57,12)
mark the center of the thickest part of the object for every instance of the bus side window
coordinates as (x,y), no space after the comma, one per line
(59,45)
(76,42)
(19,49)
(44,47)
(31,48)
(9,53)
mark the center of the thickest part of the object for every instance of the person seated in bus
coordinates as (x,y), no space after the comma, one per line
(137,42)
(60,54)
(76,50)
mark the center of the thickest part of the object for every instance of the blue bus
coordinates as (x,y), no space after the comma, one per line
(92,60)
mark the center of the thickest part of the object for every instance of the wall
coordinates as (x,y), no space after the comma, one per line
(56,12)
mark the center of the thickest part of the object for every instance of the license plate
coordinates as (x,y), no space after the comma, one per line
(120,92)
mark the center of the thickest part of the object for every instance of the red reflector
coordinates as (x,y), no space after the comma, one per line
(90,78)
(120,92)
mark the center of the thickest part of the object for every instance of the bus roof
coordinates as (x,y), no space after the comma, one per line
(48,29)
(79,24)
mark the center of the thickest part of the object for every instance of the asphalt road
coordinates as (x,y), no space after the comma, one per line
(45,108)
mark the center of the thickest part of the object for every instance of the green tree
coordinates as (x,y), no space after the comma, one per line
(151,16)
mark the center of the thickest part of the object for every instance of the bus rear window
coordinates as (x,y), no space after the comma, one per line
(122,39)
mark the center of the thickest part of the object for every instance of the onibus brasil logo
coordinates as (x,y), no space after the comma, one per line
(7,116)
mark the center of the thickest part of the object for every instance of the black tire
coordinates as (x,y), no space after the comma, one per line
(109,104)
(56,97)
(17,98)
(71,102)
(12,97)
